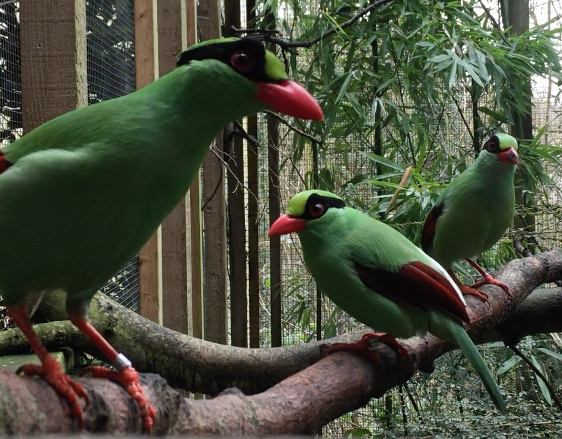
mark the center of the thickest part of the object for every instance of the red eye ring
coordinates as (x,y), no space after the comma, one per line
(316,210)
(243,61)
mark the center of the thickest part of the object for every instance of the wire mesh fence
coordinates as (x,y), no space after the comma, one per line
(110,32)
(10,90)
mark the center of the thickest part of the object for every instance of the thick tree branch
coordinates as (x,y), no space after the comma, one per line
(299,404)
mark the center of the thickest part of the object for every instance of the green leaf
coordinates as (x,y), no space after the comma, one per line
(544,389)
(551,353)
(343,87)
(498,116)
(509,364)
(383,161)
(357,432)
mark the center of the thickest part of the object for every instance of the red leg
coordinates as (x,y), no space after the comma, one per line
(127,376)
(488,279)
(365,346)
(468,291)
(50,369)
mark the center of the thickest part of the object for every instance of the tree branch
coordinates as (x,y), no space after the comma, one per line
(300,404)
(286,45)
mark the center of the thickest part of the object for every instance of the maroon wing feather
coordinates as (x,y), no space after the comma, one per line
(416,286)
(4,164)
(428,232)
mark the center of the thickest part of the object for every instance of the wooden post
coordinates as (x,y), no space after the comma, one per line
(274,241)
(146,71)
(234,157)
(253,222)
(193,217)
(53,59)
(171,41)
(214,213)
(176,32)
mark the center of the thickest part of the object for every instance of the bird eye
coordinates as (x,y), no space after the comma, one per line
(316,210)
(243,61)
(492,146)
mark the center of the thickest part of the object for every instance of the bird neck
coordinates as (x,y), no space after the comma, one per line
(489,166)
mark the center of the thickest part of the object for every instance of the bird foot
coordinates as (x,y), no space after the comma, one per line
(129,379)
(490,280)
(472,291)
(366,344)
(51,371)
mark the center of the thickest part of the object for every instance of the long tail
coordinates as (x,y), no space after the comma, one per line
(464,342)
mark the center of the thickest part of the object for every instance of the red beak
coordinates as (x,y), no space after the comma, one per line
(509,156)
(289,98)
(287,224)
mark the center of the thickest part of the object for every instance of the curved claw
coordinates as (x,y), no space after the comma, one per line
(490,280)
(129,379)
(472,291)
(51,372)
(365,346)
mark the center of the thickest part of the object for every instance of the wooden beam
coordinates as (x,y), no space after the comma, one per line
(53,59)
(146,71)
(171,41)
(234,157)
(214,213)
(253,221)
(195,241)
(274,241)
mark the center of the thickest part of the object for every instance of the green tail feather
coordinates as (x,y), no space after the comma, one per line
(469,350)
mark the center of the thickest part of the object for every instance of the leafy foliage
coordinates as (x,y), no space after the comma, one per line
(419,85)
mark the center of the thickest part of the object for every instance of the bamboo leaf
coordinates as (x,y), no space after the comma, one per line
(383,161)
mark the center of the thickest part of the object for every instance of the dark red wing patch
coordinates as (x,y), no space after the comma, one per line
(4,164)
(428,232)
(416,286)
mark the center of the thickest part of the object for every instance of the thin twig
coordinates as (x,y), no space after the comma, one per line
(520,354)
(240,131)
(261,32)
(293,128)
(289,44)
(494,22)
(8,2)
(520,248)
(218,183)
(462,117)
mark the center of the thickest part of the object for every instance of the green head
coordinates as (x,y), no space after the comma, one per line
(502,147)
(241,69)
(305,209)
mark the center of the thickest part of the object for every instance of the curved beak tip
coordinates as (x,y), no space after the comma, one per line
(286,224)
(289,98)
(509,156)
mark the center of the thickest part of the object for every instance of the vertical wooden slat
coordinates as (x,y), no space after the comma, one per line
(193,216)
(234,156)
(253,224)
(274,241)
(146,71)
(171,40)
(53,59)
(214,213)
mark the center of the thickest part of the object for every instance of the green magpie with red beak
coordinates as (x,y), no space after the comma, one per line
(81,194)
(474,211)
(379,277)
